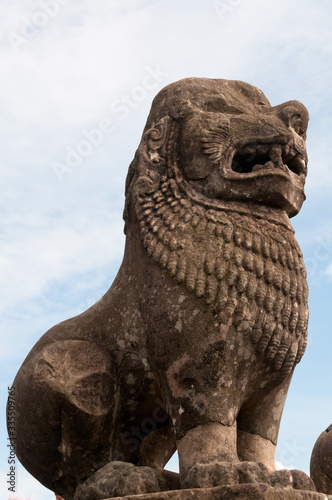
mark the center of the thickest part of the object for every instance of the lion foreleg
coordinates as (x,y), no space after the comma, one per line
(212,442)
(258,426)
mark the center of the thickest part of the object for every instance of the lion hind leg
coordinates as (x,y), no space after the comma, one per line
(66,397)
(157,447)
(156,450)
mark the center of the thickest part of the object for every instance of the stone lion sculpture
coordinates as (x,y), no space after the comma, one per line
(194,345)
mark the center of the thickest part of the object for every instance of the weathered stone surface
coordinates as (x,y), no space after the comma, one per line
(235,492)
(321,462)
(301,481)
(194,345)
(225,473)
(281,478)
(206,475)
(119,479)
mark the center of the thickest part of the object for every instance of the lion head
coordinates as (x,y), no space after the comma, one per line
(226,143)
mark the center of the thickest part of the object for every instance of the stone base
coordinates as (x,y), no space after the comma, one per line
(236,492)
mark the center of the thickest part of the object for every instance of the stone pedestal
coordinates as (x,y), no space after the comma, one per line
(236,492)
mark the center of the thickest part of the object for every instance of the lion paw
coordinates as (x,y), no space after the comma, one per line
(294,478)
(118,479)
(225,473)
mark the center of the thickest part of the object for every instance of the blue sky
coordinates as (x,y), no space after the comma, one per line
(77,81)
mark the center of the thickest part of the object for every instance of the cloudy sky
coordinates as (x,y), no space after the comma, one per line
(77,80)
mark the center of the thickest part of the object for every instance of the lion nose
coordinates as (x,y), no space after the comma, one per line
(294,115)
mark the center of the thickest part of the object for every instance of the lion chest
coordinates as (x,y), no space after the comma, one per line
(249,271)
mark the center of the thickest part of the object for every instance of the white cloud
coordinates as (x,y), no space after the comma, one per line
(56,254)
(27,487)
(329,270)
(281,466)
(86,45)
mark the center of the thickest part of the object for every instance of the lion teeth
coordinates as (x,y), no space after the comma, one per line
(268,157)
(276,155)
(262,149)
(259,166)
(249,150)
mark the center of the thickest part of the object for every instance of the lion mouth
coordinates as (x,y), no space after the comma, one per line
(267,158)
